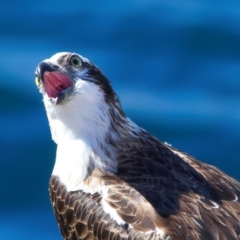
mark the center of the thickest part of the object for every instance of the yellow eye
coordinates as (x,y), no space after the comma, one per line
(76,61)
(37,81)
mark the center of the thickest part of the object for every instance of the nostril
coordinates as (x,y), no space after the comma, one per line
(55,66)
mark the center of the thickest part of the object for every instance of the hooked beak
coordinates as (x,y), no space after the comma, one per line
(55,82)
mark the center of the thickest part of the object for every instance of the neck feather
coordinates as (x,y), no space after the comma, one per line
(83,131)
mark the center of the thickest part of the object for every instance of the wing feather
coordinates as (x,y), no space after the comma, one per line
(158,192)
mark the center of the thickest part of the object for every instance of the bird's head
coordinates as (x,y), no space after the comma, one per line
(78,98)
(65,75)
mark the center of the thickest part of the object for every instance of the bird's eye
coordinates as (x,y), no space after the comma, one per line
(37,81)
(76,61)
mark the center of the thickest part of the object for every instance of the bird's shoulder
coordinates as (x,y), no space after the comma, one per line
(188,193)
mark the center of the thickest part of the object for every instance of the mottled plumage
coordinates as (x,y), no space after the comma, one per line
(114,180)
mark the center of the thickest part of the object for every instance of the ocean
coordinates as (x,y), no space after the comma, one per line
(174,64)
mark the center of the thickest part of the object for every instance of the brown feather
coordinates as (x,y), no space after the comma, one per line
(154,186)
(149,193)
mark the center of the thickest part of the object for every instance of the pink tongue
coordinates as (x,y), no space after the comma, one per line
(55,82)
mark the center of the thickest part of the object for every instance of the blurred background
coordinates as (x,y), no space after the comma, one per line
(174,64)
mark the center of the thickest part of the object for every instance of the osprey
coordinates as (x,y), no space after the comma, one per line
(114,180)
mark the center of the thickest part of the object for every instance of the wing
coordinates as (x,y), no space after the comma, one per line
(82,216)
(196,200)
(79,215)
(158,193)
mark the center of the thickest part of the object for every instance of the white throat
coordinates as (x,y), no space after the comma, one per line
(79,127)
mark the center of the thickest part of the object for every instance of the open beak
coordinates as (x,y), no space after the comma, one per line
(55,83)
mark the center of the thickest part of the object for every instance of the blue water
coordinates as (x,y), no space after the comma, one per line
(174,64)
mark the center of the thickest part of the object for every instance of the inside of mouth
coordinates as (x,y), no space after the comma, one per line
(55,83)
